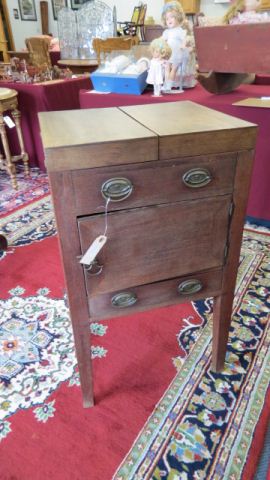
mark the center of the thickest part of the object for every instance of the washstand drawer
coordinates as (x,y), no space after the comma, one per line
(151,244)
(152,183)
(182,289)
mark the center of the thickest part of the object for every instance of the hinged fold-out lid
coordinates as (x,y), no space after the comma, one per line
(186,128)
(88,138)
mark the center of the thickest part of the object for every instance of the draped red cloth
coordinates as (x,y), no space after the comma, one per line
(259,197)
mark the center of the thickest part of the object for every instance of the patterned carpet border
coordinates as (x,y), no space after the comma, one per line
(29,224)
(203,426)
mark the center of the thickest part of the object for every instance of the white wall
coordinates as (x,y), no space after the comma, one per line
(23,29)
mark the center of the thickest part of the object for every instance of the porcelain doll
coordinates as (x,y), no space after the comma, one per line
(161,52)
(245,11)
(178,34)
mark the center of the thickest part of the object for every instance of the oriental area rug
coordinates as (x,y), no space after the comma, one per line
(160,412)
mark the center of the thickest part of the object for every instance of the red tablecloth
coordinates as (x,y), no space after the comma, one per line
(63,95)
(259,197)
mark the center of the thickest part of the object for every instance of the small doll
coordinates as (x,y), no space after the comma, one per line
(245,11)
(161,52)
(180,38)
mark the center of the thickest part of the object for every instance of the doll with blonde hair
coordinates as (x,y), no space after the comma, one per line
(161,52)
(245,11)
(179,36)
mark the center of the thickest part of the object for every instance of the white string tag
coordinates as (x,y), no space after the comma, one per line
(8,121)
(93,250)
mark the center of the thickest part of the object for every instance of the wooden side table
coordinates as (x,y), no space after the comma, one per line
(78,66)
(9,101)
(174,178)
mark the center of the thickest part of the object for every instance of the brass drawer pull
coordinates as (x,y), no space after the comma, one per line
(188,287)
(124,299)
(197,177)
(116,189)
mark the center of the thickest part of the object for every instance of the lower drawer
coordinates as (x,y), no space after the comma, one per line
(173,291)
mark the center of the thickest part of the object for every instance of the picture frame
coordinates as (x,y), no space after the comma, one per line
(16,14)
(56,6)
(75,4)
(27,10)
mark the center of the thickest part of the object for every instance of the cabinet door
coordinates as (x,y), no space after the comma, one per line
(150,244)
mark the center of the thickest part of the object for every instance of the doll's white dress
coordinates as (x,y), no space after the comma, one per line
(156,72)
(186,75)
(175,37)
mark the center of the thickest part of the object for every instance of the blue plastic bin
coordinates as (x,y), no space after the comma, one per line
(116,83)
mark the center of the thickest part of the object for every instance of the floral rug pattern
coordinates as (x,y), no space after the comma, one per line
(29,189)
(36,353)
(202,427)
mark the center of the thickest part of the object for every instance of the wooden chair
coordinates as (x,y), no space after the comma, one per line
(105,46)
(136,25)
(38,48)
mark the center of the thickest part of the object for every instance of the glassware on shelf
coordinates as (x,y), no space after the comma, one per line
(76,30)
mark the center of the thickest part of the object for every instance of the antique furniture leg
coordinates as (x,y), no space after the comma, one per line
(71,251)
(17,119)
(9,166)
(223,304)
(3,243)
(9,101)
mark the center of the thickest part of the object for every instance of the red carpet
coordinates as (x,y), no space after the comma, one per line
(152,379)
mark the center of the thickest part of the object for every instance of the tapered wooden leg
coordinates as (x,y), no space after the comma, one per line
(222,313)
(17,119)
(7,162)
(63,192)
(223,304)
(83,352)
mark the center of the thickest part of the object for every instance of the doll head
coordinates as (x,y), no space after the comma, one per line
(160,48)
(172,14)
(241,6)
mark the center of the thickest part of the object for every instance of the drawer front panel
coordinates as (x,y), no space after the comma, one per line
(154,295)
(156,182)
(150,244)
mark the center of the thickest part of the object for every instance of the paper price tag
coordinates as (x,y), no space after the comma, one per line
(8,121)
(93,250)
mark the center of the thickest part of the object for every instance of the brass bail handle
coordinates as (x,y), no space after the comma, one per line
(117,189)
(197,177)
(124,299)
(189,287)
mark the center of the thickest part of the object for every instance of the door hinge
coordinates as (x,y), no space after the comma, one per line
(231,210)
(226,249)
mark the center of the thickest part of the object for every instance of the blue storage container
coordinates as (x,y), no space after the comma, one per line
(117,83)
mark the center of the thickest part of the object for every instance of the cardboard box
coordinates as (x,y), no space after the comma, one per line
(117,83)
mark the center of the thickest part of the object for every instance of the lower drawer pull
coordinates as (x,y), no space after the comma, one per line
(116,189)
(124,299)
(188,287)
(197,177)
